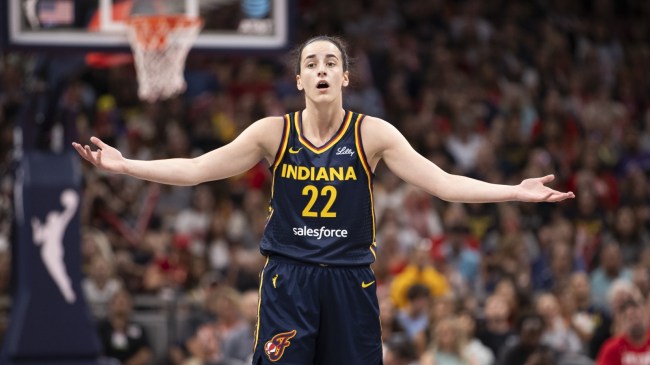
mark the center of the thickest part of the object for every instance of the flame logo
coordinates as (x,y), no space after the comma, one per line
(274,348)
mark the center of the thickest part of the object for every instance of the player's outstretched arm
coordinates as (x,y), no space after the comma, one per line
(383,141)
(249,148)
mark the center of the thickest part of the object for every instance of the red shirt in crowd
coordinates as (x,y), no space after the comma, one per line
(620,351)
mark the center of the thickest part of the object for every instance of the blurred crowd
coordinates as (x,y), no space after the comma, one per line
(497,90)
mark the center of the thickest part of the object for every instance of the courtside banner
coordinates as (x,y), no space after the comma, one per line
(49,321)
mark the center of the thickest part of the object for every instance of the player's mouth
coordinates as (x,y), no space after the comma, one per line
(322,85)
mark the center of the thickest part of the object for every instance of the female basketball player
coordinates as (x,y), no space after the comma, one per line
(317,295)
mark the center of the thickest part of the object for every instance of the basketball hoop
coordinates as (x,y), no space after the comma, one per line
(160,44)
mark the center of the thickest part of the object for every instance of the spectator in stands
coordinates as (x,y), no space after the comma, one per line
(399,350)
(457,249)
(390,326)
(392,257)
(553,268)
(517,299)
(530,328)
(475,349)
(220,333)
(510,250)
(414,316)
(239,345)
(100,285)
(558,332)
(194,221)
(169,267)
(631,344)
(630,235)
(592,176)
(94,243)
(122,338)
(591,323)
(234,329)
(420,270)
(589,223)
(641,279)
(541,356)
(496,330)
(205,348)
(465,141)
(442,307)
(419,214)
(219,246)
(449,346)
(199,304)
(611,268)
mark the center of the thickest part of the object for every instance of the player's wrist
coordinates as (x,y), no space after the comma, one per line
(126,167)
(516,193)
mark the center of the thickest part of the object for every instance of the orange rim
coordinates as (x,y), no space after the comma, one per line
(151,30)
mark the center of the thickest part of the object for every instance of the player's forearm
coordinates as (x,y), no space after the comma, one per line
(456,188)
(175,171)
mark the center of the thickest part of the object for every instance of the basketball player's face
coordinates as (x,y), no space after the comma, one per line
(321,72)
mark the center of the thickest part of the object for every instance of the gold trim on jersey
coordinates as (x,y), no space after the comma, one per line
(283,148)
(305,142)
(366,168)
(283,143)
(259,304)
(357,142)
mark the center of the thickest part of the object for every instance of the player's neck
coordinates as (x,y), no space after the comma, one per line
(320,122)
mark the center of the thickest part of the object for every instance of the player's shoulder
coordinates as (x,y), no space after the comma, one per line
(377,128)
(271,121)
(266,131)
(370,119)
(371,124)
(268,125)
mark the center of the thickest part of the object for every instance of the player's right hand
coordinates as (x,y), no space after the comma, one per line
(106,157)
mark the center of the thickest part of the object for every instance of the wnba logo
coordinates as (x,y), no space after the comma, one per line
(256,8)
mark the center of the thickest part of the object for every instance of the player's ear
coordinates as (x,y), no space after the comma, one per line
(346,78)
(299,83)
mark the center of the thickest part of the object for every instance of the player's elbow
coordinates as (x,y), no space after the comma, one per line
(191,174)
(444,187)
(200,171)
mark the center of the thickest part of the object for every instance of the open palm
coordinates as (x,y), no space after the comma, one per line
(106,157)
(535,190)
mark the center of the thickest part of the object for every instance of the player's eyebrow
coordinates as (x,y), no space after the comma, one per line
(329,55)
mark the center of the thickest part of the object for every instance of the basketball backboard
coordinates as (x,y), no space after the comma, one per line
(98,25)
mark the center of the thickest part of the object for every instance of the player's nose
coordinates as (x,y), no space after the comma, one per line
(322,70)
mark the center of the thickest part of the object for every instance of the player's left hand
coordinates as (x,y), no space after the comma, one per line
(535,190)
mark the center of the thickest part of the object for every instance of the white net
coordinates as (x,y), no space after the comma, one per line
(160,45)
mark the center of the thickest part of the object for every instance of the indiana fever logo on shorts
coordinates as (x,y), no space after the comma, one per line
(274,348)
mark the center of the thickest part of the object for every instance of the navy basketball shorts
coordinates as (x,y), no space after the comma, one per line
(313,314)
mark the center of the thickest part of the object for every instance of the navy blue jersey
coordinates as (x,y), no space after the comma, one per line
(321,207)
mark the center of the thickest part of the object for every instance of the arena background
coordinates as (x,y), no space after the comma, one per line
(497,90)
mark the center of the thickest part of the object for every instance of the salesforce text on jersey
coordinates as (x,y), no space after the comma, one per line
(319,233)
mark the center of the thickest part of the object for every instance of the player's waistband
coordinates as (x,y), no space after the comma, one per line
(289,260)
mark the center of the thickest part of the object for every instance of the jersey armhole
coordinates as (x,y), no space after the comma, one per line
(283,143)
(359,144)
